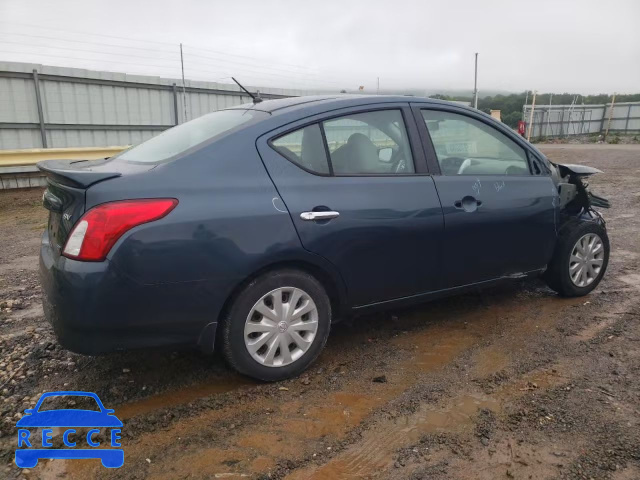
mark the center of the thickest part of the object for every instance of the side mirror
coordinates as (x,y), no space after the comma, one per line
(385,154)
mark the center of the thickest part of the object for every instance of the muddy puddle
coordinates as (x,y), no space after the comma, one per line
(181,396)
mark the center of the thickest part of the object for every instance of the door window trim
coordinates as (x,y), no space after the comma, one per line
(430,151)
(413,138)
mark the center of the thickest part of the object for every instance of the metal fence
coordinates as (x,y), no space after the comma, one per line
(565,120)
(43,106)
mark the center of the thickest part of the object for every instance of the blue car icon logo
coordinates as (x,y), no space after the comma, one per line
(28,452)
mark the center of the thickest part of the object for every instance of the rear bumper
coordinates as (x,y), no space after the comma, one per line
(94,308)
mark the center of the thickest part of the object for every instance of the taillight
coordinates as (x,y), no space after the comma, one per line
(101,227)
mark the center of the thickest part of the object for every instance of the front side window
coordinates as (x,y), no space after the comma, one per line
(305,148)
(466,146)
(178,139)
(369,143)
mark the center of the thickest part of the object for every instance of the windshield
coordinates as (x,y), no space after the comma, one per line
(178,139)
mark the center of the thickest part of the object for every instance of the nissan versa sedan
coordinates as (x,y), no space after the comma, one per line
(252,229)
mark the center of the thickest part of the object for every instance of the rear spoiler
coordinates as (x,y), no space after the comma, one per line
(75,173)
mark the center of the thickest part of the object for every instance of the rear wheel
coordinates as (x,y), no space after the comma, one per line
(580,260)
(277,325)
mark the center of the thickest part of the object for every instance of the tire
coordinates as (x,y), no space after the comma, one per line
(270,362)
(558,275)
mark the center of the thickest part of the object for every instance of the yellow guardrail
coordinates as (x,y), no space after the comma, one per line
(19,158)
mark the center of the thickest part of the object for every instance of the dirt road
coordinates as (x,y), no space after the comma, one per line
(513,382)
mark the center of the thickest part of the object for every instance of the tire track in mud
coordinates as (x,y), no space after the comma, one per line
(374,453)
(277,428)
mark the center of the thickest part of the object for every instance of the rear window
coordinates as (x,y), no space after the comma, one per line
(181,138)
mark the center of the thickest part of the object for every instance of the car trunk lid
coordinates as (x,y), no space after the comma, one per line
(67,183)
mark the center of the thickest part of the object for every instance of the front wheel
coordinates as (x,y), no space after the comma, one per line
(579,261)
(277,325)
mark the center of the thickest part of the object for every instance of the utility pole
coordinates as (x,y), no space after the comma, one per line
(378,89)
(613,102)
(475,85)
(184,95)
(549,117)
(533,106)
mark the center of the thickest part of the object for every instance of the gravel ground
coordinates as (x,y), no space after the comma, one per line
(614,138)
(511,382)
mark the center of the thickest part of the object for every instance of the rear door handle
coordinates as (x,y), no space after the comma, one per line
(468,204)
(319,215)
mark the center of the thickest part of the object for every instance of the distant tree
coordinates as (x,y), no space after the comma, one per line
(511,119)
(454,98)
(510,106)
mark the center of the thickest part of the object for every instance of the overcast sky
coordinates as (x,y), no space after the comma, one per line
(582,46)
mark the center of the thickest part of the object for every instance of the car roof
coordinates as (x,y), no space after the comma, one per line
(289,104)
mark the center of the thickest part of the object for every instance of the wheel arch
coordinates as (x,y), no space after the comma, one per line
(569,221)
(330,280)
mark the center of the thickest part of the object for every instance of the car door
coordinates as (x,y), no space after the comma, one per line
(356,187)
(498,201)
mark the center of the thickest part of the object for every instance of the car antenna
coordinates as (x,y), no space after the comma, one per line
(256,98)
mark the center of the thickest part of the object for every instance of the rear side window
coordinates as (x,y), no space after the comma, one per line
(369,143)
(181,138)
(305,148)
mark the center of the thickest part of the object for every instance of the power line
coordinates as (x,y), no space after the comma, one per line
(285,73)
(265,65)
(41,27)
(191,54)
(130,39)
(128,47)
(91,59)
(243,69)
(189,64)
(276,69)
(240,56)
(90,51)
(175,70)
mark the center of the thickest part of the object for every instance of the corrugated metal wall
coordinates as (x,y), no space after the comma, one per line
(82,108)
(564,120)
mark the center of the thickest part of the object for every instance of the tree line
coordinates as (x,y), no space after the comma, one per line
(510,106)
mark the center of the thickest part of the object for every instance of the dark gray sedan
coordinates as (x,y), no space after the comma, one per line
(251,229)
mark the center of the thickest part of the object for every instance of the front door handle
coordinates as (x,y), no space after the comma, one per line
(319,215)
(468,204)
